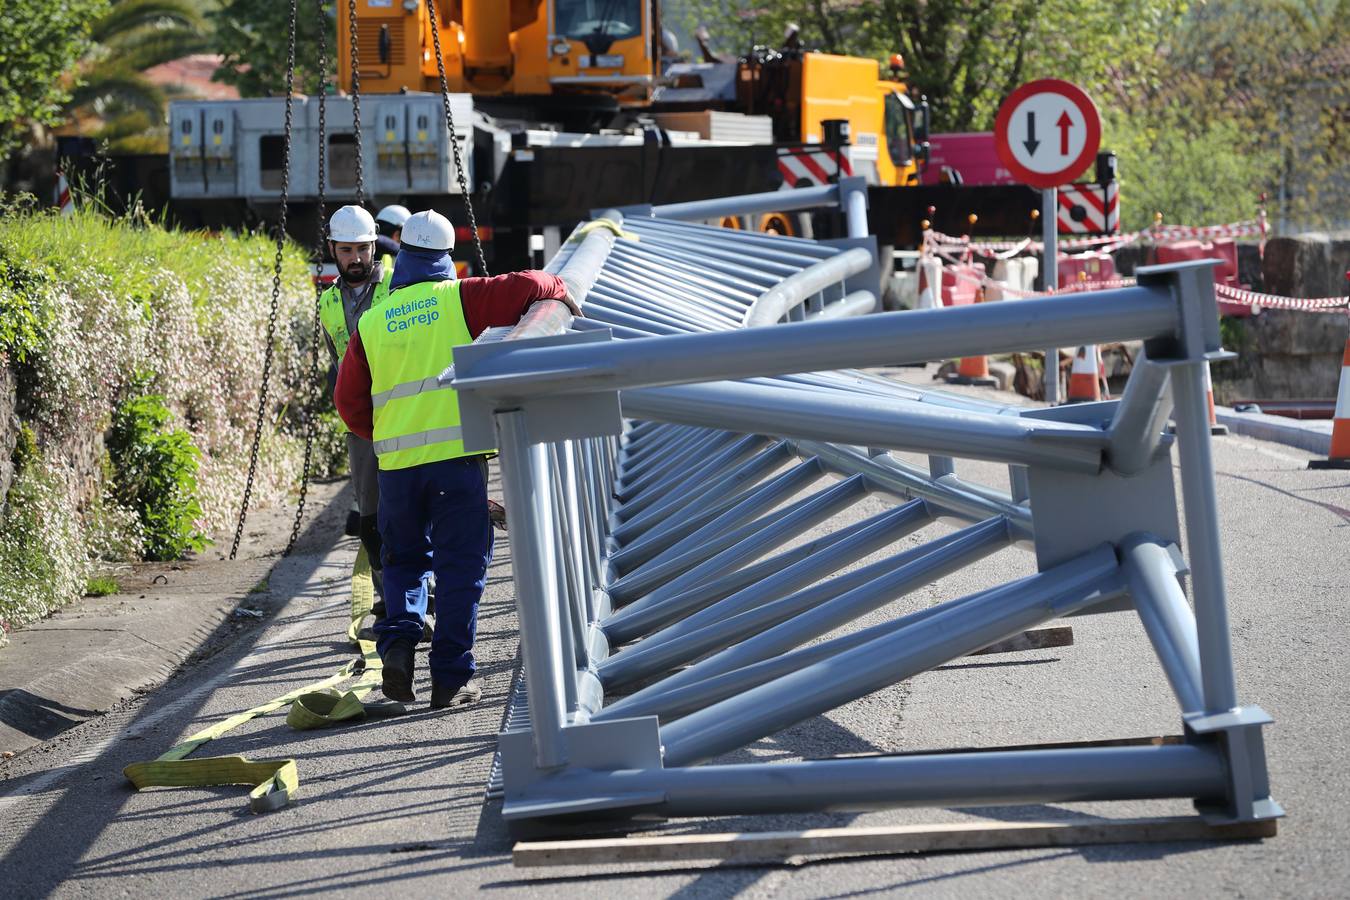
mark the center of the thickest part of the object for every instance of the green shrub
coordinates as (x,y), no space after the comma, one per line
(101,586)
(155,473)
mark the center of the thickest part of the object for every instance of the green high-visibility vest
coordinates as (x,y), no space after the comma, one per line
(409,342)
(334,319)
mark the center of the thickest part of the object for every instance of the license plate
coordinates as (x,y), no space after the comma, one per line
(604,62)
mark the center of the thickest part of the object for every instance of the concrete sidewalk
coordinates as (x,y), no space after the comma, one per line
(1312,435)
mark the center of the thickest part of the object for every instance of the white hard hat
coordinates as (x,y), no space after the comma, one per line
(393,214)
(351,225)
(428,230)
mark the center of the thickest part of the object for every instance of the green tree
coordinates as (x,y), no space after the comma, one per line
(251,35)
(1207,104)
(1281,71)
(130,37)
(964,55)
(42,41)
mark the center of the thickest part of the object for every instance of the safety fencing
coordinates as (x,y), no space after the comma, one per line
(954,260)
(1155,234)
(662,466)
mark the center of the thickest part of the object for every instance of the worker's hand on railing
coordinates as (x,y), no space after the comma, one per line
(572,305)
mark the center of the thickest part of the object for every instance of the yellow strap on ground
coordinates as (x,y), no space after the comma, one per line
(601,225)
(312,706)
(363,594)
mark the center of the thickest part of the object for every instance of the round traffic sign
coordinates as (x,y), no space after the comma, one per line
(1047,132)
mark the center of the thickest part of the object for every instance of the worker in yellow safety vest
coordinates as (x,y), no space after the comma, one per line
(361,283)
(433,515)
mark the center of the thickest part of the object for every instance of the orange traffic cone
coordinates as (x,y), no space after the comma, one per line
(1214,426)
(973,369)
(1083,384)
(1339,457)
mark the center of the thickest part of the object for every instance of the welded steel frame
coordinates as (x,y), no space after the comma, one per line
(643,562)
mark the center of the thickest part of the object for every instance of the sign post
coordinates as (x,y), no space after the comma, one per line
(1047,132)
(1050,278)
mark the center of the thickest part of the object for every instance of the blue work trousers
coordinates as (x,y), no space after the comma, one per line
(434,518)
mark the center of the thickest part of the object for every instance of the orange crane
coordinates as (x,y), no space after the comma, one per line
(507,47)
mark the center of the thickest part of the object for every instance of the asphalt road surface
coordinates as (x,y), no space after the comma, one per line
(396,808)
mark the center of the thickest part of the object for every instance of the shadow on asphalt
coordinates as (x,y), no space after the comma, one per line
(37,716)
(60,837)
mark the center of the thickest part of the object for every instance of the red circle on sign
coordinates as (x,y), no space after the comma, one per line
(1075,95)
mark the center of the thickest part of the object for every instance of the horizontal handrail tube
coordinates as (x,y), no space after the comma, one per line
(873,422)
(1140,312)
(748,204)
(858,303)
(942,779)
(774,303)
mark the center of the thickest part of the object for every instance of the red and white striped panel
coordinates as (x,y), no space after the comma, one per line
(811,168)
(1100,209)
(64,202)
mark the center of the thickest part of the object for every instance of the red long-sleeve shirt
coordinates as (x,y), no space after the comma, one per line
(487,303)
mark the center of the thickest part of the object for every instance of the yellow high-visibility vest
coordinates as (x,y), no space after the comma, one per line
(331,314)
(409,342)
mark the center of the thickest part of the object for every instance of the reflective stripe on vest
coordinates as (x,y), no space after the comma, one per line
(421,439)
(409,342)
(409,389)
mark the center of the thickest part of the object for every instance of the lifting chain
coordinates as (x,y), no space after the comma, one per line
(454,143)
(356,102)
(276,287)
(312,408)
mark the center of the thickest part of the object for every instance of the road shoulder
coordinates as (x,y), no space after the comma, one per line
(99,652)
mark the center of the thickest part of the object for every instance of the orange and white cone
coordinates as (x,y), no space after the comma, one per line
(973,369)
(1083,384)
(1214,426)
(1339,457)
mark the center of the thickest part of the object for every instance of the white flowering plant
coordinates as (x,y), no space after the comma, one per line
(96,315)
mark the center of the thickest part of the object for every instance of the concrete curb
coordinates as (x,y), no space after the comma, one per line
(1313,435)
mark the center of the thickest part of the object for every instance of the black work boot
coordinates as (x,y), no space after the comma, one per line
(443,696)
(398,670)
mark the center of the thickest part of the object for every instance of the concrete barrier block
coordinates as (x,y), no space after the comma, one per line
(1307,265)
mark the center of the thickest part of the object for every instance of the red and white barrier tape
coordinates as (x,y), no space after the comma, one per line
(1250,228)
(1222,291)
(1005,249)
(1273,301)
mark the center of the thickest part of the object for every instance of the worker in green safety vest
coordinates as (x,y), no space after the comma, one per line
(361,283)
(433,515)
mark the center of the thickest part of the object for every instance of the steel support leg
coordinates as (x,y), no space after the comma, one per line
(1167,619)
(1202,536)
(529,506)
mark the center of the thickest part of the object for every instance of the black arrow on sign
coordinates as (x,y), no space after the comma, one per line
(1031,143)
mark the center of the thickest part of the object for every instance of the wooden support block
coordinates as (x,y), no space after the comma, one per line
(1037,639)
(779,846)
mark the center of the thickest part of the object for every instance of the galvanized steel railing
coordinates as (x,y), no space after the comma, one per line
(661,464)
